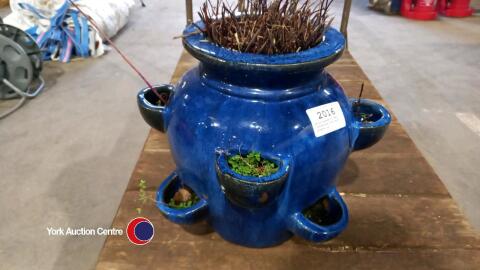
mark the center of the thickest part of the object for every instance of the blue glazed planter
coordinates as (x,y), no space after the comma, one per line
(370,132)
(236,102)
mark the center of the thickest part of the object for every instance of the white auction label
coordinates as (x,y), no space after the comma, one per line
(326,118)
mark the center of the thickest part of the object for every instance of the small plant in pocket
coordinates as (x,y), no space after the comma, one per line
(317,212)
(361,116)
(184,197)
(364,117)
(163,100)
(252,164)
(324,212)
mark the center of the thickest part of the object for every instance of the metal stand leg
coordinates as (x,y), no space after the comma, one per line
(241,5)
(345,16)
(189,10)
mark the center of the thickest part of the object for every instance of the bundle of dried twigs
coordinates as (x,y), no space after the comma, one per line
(266,27)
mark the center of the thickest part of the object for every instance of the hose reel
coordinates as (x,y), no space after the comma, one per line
(20,66)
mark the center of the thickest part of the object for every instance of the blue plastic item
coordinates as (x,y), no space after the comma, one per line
(236,102)
(61,40)
(395,6)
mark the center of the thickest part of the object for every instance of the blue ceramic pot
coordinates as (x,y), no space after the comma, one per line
(287,108)
(376,124)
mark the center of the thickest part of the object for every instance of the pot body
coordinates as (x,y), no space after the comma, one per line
(207,121)
(228,106)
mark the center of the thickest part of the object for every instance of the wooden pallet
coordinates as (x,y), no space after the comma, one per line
(401,215)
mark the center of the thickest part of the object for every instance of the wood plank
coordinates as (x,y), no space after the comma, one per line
(377,222)
(389,167)
(288,258)
(153,168)
(395,142)
(401,215)
(417,228)
(389,174)
(347,73)
(352,89)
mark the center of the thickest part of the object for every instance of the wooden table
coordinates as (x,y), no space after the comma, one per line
(401,215)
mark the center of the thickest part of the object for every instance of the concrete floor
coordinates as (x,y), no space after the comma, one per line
(65,157)
(429,74)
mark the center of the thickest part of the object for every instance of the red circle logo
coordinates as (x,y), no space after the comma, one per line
(140,231)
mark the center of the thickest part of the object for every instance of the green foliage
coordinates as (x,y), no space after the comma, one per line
(143,197)
(186,204)
(252,165)
(364,117)
(142,193)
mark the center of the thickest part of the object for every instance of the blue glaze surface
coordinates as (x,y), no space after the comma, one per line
(190,215)
(150,110)
(373,131)
(250,191)
(305,228)
(234,102)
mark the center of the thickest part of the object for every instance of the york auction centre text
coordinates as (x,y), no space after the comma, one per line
(83,231)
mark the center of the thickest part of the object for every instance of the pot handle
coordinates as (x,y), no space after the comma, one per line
(189,215)
(155,115)
(249,191)
(371,132)
(303,227)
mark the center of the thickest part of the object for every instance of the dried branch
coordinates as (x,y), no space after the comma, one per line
(266,26)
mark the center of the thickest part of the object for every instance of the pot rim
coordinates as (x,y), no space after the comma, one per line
(283,164)
(189,215)
(325,53)
(384,120)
